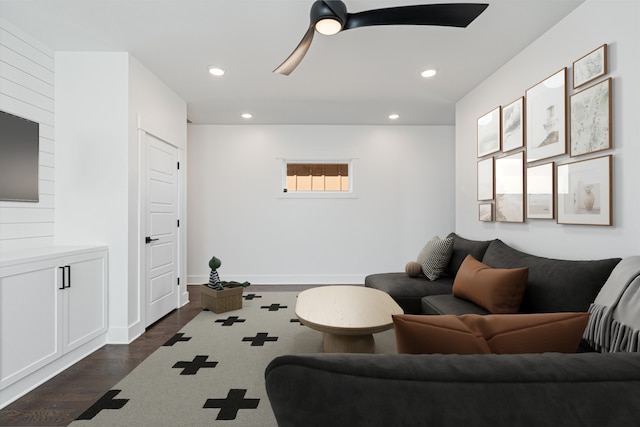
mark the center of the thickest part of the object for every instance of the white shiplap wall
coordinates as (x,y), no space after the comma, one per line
(27,90)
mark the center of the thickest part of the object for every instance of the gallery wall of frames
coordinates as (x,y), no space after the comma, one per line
(517,176)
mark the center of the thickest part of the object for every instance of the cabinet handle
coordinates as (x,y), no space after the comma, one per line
(66,276)
(63,279)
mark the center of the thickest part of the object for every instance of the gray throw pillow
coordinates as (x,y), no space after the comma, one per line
(434,257)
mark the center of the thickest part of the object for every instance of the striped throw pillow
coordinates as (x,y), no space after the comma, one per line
(434,257)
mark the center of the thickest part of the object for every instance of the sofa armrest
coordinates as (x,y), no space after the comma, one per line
(588,389)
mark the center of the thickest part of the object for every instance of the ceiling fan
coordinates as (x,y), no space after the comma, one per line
(330,17)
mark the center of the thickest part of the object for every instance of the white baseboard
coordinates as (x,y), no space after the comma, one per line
(24,385)
(311,279)
(124,335)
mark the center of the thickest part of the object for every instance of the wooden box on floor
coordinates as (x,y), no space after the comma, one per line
(220,301)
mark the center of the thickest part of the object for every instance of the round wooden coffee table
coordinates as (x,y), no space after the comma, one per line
(348,316)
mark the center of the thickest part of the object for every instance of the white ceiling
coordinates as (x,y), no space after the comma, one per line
(358,76)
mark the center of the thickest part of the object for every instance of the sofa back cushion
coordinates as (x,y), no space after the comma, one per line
(461,248)
(498,290)
(553,285)
(492,333)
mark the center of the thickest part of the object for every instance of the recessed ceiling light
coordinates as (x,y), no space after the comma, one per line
(394,116)
(216,71)
(247,115)
(429,72)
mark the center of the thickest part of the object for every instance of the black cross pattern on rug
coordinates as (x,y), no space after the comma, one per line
(230,321)
(176,338)
(274,307)
(296,321)
(107,401)
(250,297)
(192,368)
(230,405)
(260,339)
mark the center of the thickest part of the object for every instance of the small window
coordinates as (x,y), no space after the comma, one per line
(317,177)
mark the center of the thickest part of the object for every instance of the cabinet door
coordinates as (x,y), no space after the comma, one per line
(30,304)
(85,298)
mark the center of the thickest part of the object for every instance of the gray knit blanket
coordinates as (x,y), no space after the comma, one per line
(614,324)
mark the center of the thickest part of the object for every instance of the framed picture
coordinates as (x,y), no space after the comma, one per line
(485,179)
(545,114)
(513,125)
(510,188)
(590,67)
(591,119)
(485,212)
(584,192)
(540,185)
(489,132)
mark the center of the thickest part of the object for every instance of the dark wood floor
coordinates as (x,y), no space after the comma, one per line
(63,398)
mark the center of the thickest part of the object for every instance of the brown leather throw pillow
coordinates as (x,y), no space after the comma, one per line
(492,333)
(498,290)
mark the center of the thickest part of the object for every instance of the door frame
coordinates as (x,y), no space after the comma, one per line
(142,226)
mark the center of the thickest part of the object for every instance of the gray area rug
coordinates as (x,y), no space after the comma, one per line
(212,371)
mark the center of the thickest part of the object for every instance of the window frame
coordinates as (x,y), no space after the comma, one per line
(349,194)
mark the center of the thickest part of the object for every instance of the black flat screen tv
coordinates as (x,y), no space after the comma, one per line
(19,152)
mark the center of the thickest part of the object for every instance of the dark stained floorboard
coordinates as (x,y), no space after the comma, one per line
(63,398)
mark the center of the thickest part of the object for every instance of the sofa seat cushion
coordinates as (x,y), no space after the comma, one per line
(553,285)
(408,291)
(493,333)
(499,290)
(448,304)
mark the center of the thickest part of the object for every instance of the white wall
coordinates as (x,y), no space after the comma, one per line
(157,110)
(403,177)
(27,90)
(102,98)
(92,172)
(592,24)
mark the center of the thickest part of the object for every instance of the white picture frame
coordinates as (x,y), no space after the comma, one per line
(540,191)
(485,179)
(509,192)
(513,125)
(488,132)
(485,212)
(590,66)
(546,121)
(584,192)
(590,119)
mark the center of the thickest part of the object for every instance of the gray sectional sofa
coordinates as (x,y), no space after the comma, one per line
(583,389)
(553,286)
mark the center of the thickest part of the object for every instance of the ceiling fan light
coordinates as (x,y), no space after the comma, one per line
(328,26)
(394,116)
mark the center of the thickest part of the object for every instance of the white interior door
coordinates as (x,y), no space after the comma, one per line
(161,229)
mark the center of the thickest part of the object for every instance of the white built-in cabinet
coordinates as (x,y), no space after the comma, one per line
(53,312)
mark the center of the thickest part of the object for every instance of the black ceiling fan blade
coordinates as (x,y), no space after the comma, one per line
(298,53)
(446,14)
